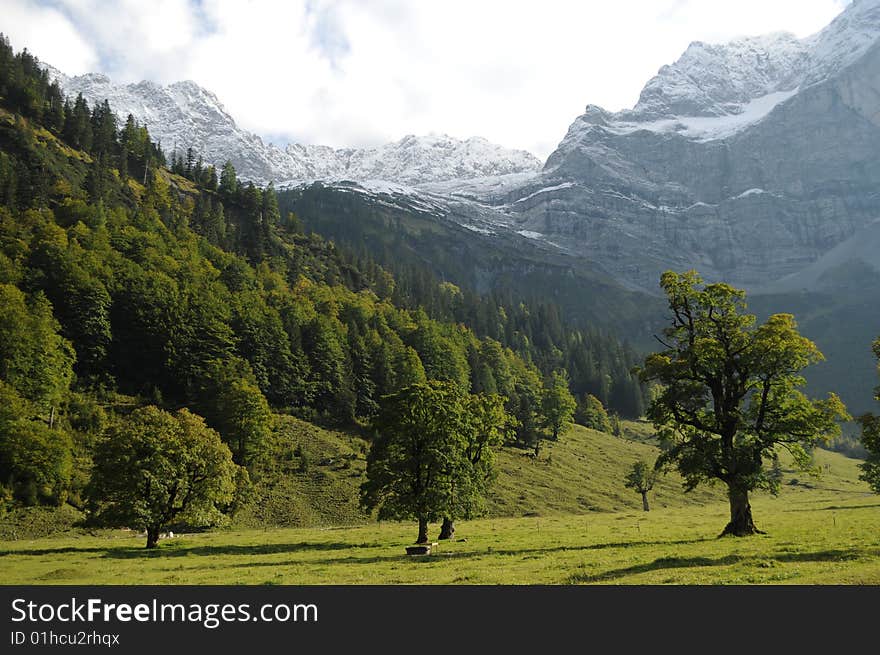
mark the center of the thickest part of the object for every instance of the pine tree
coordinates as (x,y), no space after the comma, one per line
(228,182)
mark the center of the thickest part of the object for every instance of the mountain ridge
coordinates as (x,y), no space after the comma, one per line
(750,75)
(185,115)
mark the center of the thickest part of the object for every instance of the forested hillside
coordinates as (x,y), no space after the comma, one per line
(129,277)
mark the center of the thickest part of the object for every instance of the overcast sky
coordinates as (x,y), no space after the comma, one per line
(364,72)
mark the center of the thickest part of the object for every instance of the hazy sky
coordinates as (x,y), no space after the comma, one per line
(364,72)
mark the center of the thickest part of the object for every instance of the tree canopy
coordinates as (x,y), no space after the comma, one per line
(153,468)
(558,404)
(592,414)
(432,456)
(641,478)
(486,428)
(729,395)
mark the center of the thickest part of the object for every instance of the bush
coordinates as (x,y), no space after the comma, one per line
(591,414)
(304,463)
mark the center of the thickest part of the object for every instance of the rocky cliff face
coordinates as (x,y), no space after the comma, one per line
(747,161)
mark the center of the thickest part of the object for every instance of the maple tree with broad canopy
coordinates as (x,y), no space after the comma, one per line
(728,395)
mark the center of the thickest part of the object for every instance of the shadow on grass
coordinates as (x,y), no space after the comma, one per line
(658,564)
(839,555)
(843,507)
(762,561)
(375,559)
(441,556)
(172,549)
(175,550)
(628,544)
(37,552)
(834,508)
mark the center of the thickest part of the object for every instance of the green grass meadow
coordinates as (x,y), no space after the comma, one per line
(808,542)
(563,519)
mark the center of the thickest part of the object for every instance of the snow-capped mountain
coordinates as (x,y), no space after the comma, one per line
(716,80)
(715,91)
(747,160)
(184,115)
(417,160)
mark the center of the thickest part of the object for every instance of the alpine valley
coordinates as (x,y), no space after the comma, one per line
(674,316)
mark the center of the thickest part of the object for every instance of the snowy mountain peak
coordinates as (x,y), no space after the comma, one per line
(714,91)
(184,114)
(715,80)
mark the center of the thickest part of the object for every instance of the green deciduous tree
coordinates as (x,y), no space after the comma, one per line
(232,403)
(525,403)
(729,396)
(557,405)
(153,468)
(34,358)
(245,420)
(641,478)
(486,425)
(420,444)
(591,413)
(439,354)
(35,460)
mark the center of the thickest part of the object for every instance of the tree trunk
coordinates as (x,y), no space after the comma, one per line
(423,531)
(152,537)
(537,447)
(447,530)
(741,524)
(645,501)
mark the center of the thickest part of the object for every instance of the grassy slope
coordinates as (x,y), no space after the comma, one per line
(582,472)
(310,478)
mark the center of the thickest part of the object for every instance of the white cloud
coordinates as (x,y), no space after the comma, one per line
(360,72)
(137,39)
(46,32)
